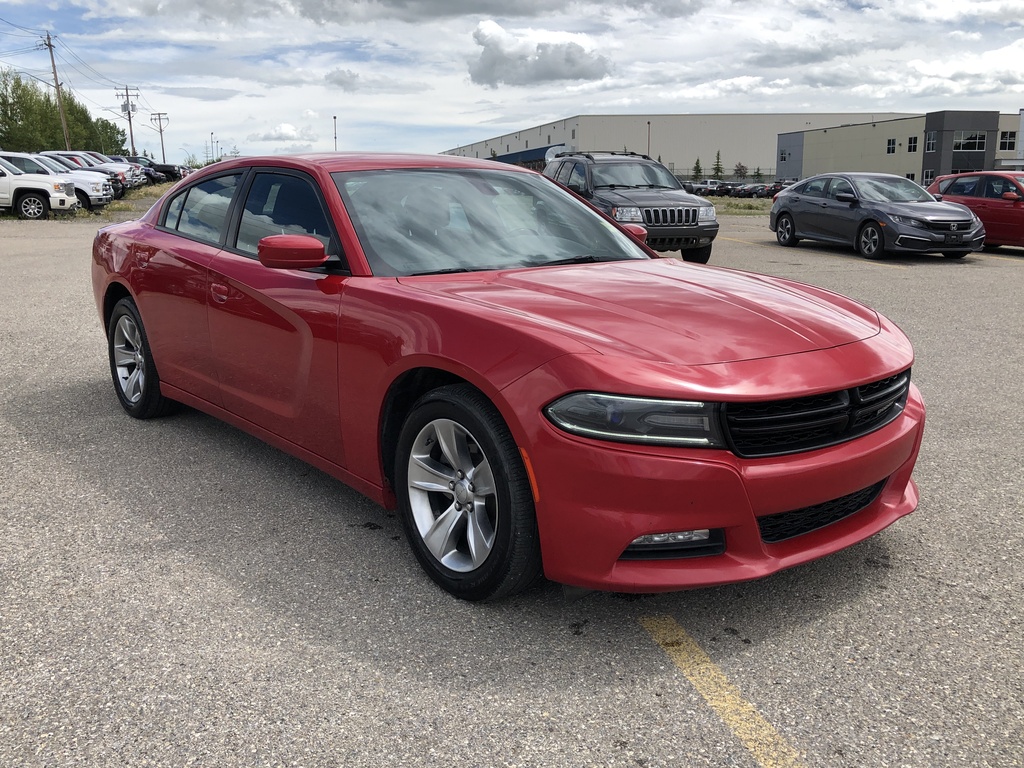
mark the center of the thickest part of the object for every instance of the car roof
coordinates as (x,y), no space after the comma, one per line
(332,162)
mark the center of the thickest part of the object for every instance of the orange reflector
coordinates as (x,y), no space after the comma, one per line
(529,474)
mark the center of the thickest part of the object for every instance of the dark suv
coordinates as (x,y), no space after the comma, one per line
(633,188)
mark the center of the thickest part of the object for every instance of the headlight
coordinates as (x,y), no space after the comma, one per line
(97,188)
(628,213)
(58,186)
(910,222)
(638,419)
(706,213)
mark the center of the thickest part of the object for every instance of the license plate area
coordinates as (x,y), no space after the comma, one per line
(954,238)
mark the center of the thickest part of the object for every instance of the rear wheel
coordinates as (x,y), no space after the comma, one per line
(136,381)
(32,205)
(870,244)
(697,255)
(785,230)
(465,498)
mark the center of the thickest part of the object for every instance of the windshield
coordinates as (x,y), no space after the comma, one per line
(422,221)
(882,189)
(618,174)
(51,164)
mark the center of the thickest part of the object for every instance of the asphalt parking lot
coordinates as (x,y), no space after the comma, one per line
(176,593)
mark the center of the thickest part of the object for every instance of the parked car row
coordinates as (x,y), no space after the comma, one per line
(94,178)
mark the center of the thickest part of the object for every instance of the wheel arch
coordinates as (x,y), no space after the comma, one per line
(114,293)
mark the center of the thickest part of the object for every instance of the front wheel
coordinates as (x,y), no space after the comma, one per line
(785,230)
(697,255)
(136,381)
(465,498)
(33,205)
(870,244)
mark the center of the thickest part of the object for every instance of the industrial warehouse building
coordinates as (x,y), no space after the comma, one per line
(783,146)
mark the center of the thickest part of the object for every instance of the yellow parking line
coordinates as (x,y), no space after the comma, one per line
(758,736)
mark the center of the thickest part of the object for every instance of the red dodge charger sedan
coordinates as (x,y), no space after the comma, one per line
(534,389)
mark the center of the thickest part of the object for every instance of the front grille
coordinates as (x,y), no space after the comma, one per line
(807,423)
(670,217)
(786,525)
(962,225)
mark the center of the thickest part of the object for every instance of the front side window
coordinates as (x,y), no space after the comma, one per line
(281,204)
(428,221)
(201,211)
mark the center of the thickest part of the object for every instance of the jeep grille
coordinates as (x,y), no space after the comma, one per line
(670,217)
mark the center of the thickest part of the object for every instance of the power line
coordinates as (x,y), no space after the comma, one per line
(29,32)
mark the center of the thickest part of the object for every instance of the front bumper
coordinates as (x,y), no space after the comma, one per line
(906,239)
(595,498)
(681,238)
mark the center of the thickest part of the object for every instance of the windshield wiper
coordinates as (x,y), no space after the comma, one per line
(614,186)
(449,271)
(583,258)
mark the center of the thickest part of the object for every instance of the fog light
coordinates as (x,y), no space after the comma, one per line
(676,537)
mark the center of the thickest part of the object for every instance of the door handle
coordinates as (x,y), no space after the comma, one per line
(220,292)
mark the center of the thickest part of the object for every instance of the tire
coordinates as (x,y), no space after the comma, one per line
(954,255)
(785,231)
(465,498)
(32,205)
(870,243)
(697,255)
(84,201)
(136,381)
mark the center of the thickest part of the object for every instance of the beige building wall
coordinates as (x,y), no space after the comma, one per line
(864,146)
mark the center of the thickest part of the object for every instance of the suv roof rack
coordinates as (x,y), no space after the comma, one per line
(590,154)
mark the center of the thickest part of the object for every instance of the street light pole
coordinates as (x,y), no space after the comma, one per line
(335,133)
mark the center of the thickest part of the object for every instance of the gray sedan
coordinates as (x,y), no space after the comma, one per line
(876,213)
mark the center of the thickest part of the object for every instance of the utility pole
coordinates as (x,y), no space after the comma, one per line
(127,108)
(160,119)
(60,99)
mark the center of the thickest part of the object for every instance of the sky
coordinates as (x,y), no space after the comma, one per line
(281,76)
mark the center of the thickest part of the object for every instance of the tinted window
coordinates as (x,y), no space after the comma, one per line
(815,188)
(839,186)
(201,210)
(964,186)
(281,204)
(578,176)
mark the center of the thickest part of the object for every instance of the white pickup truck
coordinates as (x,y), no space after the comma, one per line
(32,195)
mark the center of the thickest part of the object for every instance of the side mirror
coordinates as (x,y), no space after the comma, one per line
(578,190)
(1011,196)
(638,232)
(846,197)
(938,197)
(290,252)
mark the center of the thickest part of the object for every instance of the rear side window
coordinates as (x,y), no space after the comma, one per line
(965,186)
(201,211)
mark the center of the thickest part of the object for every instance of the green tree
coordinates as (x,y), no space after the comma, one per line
(739,171)
(698,172)
(758,176)
(717,171)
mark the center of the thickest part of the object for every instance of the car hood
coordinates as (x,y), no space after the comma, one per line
(932,211)
(662,309)
(646,198)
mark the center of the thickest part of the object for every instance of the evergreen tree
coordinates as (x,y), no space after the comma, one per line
(717,171)
(698,172)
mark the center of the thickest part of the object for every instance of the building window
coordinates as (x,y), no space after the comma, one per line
(890,146)
(574,133)
(910,176)
(549,138)
(929,177)
(527,143)
(929,141)
(783,156)
(968,141)
(912,144)
(1007,141)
